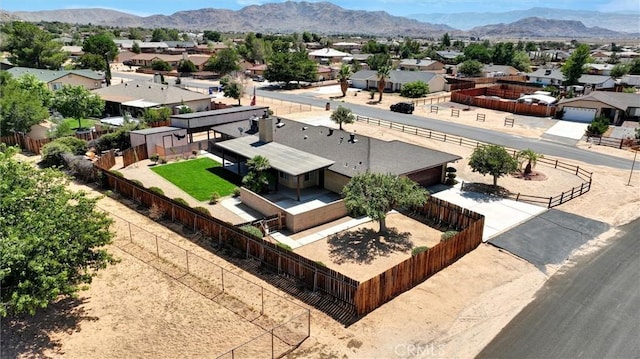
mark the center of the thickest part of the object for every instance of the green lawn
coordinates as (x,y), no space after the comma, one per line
(199,177)
(73,123)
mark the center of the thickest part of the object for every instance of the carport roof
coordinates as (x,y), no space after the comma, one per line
(282,158)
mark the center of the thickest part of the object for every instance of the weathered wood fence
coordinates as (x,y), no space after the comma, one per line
(134,154)
(471,98)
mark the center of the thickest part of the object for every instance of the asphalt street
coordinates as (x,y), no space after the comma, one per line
(591,310)
(544,146)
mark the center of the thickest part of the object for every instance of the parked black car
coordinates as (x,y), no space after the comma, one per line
(404,107)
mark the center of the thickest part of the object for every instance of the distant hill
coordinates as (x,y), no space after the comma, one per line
(537,27)
(327,18)
(468,20)
(319,17)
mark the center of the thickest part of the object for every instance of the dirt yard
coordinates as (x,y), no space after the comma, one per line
(360,253)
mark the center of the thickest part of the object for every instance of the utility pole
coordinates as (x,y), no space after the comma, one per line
(633,164)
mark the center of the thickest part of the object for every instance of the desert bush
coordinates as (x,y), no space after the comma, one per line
(418,250)
(78,146)
(181,201)
(284,246)
(138,182)
(156,190)
(202,210)
(52,154)
(215,197)
(320,263)
(117,173)
(448,235)
(414,89)
(252,230)
(154,158)
(598,126)
(236,192)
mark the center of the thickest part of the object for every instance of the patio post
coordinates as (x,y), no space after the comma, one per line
(298,187)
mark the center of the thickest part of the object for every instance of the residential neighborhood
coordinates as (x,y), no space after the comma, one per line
(413,191)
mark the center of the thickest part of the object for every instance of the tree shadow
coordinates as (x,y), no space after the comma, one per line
(364,245)
(30,336)
(226,175)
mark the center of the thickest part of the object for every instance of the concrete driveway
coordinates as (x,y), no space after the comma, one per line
(500,213)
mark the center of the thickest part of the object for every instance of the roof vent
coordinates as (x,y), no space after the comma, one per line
(280,124)
(137,85)
(305,137)
(330,132)
(547,72)
(352,138)
(304,128)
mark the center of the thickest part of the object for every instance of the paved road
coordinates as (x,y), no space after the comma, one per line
(590,311)
(556,149)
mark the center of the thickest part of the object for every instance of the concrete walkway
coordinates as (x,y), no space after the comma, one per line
(500,213)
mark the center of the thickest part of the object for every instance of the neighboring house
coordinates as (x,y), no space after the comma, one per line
(55,79)
(148,59)
(546,77)
(74,51)
(498,70)
(361,59)
(199,61)
(325,73)
(5,64)
(368,79)
(347,46)
(124,55)
(449,55)
(135,96)
(599,69)
(596,82)
(631,80)
(327,56)
(257,69)
(616,106)
(421,65)
(306,157)
(145,46)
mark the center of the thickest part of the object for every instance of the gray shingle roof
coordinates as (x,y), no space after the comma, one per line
(619,100)
(148,91)
(351,158)
(47,76)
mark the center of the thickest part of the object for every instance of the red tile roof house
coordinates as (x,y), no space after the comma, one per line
(313,164)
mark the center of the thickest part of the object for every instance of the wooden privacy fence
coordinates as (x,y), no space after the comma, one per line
(416,269)
(134,154)
(471,98)
(612,142)
(315,276)
(25,142)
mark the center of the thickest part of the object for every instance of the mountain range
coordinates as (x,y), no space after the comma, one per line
(327,18)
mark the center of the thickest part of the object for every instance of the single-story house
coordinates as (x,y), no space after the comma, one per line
(148,59)
(303,156)
(199,61)
(368,79)
(145,46)
(616,106)
(546,77)
(597,82)
(135,96)
(257,69)
(55,79)
(74,51)
(347,46)
(328,55)
(499,70)
(449,56)
(599,69)
(631,80)
(420,65)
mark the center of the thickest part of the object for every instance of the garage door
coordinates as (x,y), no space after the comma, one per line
(427,177)
(579,114)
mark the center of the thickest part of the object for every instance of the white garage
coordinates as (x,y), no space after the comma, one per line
(579,114)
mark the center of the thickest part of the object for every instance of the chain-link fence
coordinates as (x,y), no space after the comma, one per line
(286,323)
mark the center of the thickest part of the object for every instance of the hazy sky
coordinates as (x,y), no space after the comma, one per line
(394,7)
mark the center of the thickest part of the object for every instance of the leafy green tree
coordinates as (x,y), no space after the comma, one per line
(287,66)
(257,179)
(232,88)
(414,89)
(598,126)
(573,68)
(373,47)
(343,78)
(342,115)
(51,239)
(159,35)
(161,65)
(214,36)
(446,40)
(224,62)
(477,51)
(77,102)
(21,105)
(35,87)
(470,68)
(383,75)
(378,61)
(619,70)
(187,66)
(156,114)
(375,194)
(634,67)
(493,160)
(502,53)
(91,61)
(135,33)
(521,61)
(529,156)
(101,44)
(135,48)
(29,46)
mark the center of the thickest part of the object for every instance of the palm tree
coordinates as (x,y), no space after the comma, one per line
(343,77)
(531,157)
(383,75)
(342,115)
(257,179)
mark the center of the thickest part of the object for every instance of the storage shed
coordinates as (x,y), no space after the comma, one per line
(164,137)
